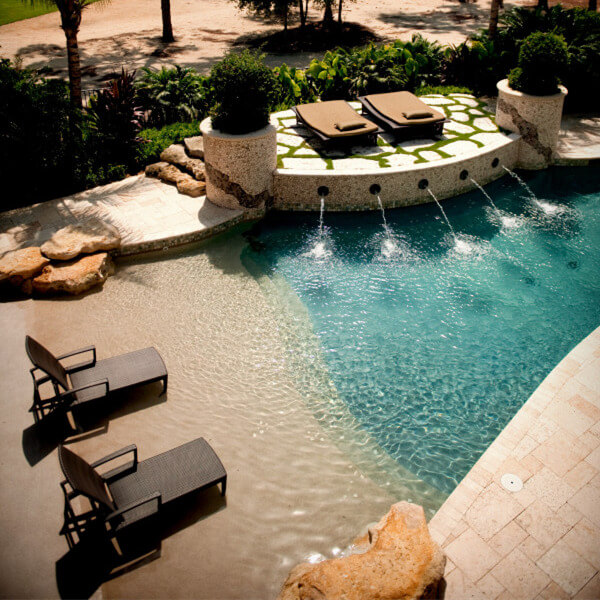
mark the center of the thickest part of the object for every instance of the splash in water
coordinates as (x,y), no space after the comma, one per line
(320,249)
(389,247)
(507,221)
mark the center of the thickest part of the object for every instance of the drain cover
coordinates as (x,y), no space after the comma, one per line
(511,482)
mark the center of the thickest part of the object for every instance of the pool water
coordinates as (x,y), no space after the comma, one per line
(432,339)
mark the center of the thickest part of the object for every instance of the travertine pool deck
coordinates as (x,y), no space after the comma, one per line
(149,214)
(579,140)
(543,541)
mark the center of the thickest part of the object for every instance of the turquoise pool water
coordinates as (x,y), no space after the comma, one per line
(432,341)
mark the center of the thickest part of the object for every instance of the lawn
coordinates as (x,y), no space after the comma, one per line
(17,10)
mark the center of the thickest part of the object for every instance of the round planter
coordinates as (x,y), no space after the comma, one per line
(535,118)
(239,168)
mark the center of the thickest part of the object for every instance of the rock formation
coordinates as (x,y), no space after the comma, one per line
(176,155)
(169,173)
(86,237)
(194,146)
(73,277)
(396,560)
(19,265)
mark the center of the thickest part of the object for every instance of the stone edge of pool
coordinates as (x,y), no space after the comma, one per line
(525,542)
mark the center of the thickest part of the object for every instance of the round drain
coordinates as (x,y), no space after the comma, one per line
(511,482)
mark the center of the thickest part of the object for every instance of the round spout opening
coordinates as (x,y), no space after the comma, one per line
(423,184)
(495,163)
(464,174)
(323,191)
(375,189)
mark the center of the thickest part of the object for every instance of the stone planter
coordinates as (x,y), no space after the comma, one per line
(239,168)
(535,118)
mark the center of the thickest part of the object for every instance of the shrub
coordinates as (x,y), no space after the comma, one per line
(425,90)
(172,95)
(244,89)
(34,140)
(154,141)
(114,121)
(542,59)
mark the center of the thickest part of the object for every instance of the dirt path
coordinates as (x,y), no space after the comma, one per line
(127,32)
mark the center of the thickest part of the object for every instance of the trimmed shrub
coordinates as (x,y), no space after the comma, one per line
(543,59)
(173,95)
(244,89)
(425,90)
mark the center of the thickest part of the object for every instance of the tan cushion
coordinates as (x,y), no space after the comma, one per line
(323,117)
(349,125)
(418,114)
(395,105)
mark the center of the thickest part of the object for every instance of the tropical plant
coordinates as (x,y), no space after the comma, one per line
(154,140)
(294,87)
(543,59)
(175,94)
(115,119)
(244,89)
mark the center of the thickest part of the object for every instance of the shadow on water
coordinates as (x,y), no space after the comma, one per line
(93,560)
(52,428)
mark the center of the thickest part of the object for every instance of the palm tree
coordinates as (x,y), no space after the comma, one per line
(70,20)
(493,26)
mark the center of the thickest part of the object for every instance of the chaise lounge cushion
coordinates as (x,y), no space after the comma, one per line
(396,106)
(324,116)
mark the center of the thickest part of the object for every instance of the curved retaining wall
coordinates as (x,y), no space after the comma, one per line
(297,190)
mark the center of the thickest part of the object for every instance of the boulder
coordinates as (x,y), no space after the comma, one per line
(154,169)
(73,277)
(86,237)
(171,174)
(175,154)
(396,559)
(20,265)
(195,146)
(191,187)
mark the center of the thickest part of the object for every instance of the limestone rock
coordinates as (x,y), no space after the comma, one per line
(399,561)
(74,277)
(191,187)
(154,169)
(171,174)
(175,154)
(20,265)
(195,146)
(86,237)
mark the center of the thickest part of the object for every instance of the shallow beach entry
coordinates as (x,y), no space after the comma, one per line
(436,326)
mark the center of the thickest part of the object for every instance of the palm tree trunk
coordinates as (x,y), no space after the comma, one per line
(285,16)
(328,16)
(340,13)
(167,34)
(302,14)
(493,27)
(74,68)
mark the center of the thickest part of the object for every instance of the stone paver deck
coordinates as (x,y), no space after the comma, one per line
(543,541)
(579,140)
(471,127)
(149,214)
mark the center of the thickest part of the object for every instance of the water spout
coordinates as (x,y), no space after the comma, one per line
(389,244)
(547,207)
(319,249)
(444,214)
(532,196)
(508,221)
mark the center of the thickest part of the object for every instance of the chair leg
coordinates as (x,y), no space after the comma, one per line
(164,382)
(223,485)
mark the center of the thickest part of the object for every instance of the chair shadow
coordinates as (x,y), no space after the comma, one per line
(53,428)
(94,560)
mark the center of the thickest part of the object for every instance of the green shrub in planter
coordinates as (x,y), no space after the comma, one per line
(543,58)
(244,89)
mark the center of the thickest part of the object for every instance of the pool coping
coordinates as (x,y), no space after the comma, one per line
(543,540)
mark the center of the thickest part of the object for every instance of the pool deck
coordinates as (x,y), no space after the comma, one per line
(543,541)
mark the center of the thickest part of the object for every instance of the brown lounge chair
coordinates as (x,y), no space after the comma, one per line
(135,490)
(402,113)
(90,380)
(336,121)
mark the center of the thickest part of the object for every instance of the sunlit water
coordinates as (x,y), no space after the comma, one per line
(435,347)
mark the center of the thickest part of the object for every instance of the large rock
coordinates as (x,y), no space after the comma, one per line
(20,265)
(186,184)
(74,277)
(86,237)
(396,560)
(176,155)
(194,146)
(191,187)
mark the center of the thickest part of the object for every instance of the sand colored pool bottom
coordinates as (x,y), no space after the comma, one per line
(292,491)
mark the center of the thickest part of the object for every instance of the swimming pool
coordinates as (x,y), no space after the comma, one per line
(432,340)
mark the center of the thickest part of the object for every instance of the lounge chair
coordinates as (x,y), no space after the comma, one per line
(336,121)
(403,114)
(135,490)
(90,380)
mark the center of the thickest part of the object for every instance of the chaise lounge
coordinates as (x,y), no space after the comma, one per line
(336,121)
(136,490)
(90,380)
(403,114)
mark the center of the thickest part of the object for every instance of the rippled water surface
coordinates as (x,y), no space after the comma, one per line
(432,341)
